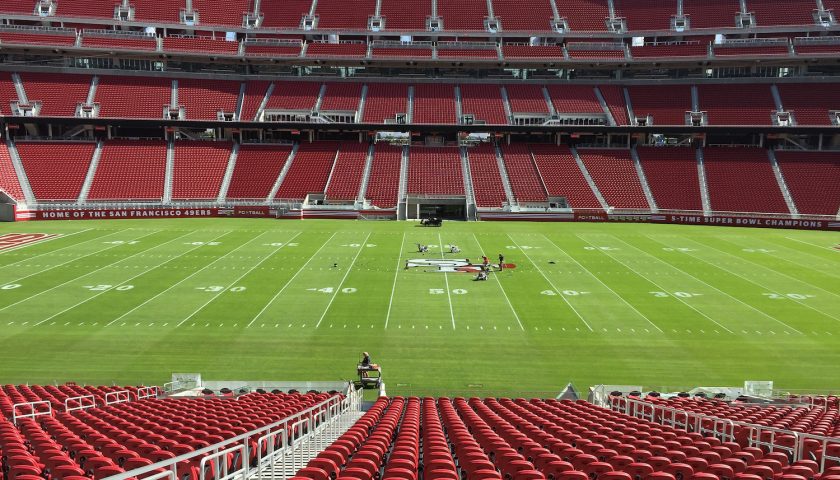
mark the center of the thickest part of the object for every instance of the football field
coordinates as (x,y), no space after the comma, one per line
(662,306)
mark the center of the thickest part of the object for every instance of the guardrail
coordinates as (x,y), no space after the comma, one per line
(33,411)
(289,431)
(122,396)
(82,402)
(147,392)
(796,445)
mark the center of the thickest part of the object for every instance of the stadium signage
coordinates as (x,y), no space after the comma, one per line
(747,221)
(81,214)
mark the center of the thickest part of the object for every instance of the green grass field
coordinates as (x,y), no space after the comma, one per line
(654,305)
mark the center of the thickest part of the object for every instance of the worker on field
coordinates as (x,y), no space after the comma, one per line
(454,249)
(501,262)
(365,359)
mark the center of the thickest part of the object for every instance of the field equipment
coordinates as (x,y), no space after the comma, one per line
(370,375)
(432,222)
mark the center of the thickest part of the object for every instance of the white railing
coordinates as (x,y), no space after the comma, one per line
(122,396)
(313,420)
(796,445)
(81,403)
(147,392)
(33,411)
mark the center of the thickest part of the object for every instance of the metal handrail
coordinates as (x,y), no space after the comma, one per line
(724,428)
(122,396)
(171,463)
(81,405)
(34,412)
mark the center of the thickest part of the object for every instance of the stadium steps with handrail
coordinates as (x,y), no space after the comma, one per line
(173,99)
(605,107)
(240,100)
(264,103)
(337,152)
(505,178)
(360,112)
(21,91)
(551,110)
(91,97)
(168,176)
(276,187)
(588,178)
(506,103)
(94,162)
(468,185)
(402,205)
(363,186)
(780,178)
(701,175)
(234,152)
(28,195)
(409,114)
(643,179)
(459,107)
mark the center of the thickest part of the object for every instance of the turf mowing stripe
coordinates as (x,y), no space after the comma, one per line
(394,285)
(607,286)
(768,269)
(214,297)
(68,261)
(628,267)
(171,286)
(45,241)
(764,286)
(556,290)
(499,282)
(705,283)
(446,278)
(362,247)
(127,280)
(822,247)
(289,282)
(816,268)
(86,274)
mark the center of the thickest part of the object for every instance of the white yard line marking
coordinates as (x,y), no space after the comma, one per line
(765,268)
(758,284)
(499,282)
(557,290)
(55,236)
(57,250)
(85,274)
(68,261)
(446,279)
(176,284)
(602,283)
(335,293)
(289,282)
(628,267)
(233,283)
(823,247)
(704,283)
(124,281)
(394,286)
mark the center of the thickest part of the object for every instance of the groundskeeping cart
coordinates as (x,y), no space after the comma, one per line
(369,375)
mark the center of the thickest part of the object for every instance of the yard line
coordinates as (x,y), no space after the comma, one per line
(446,278)
(557,290)
(68,261)
(657,285)
(179,282)
(85,274)
(145,271)
(605,285)
(765,268)
(707,284)
(394,286)
(813,244)
(499,282)
(758,284)
(289,282)
(55,238)
(335,293)
(214,297)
